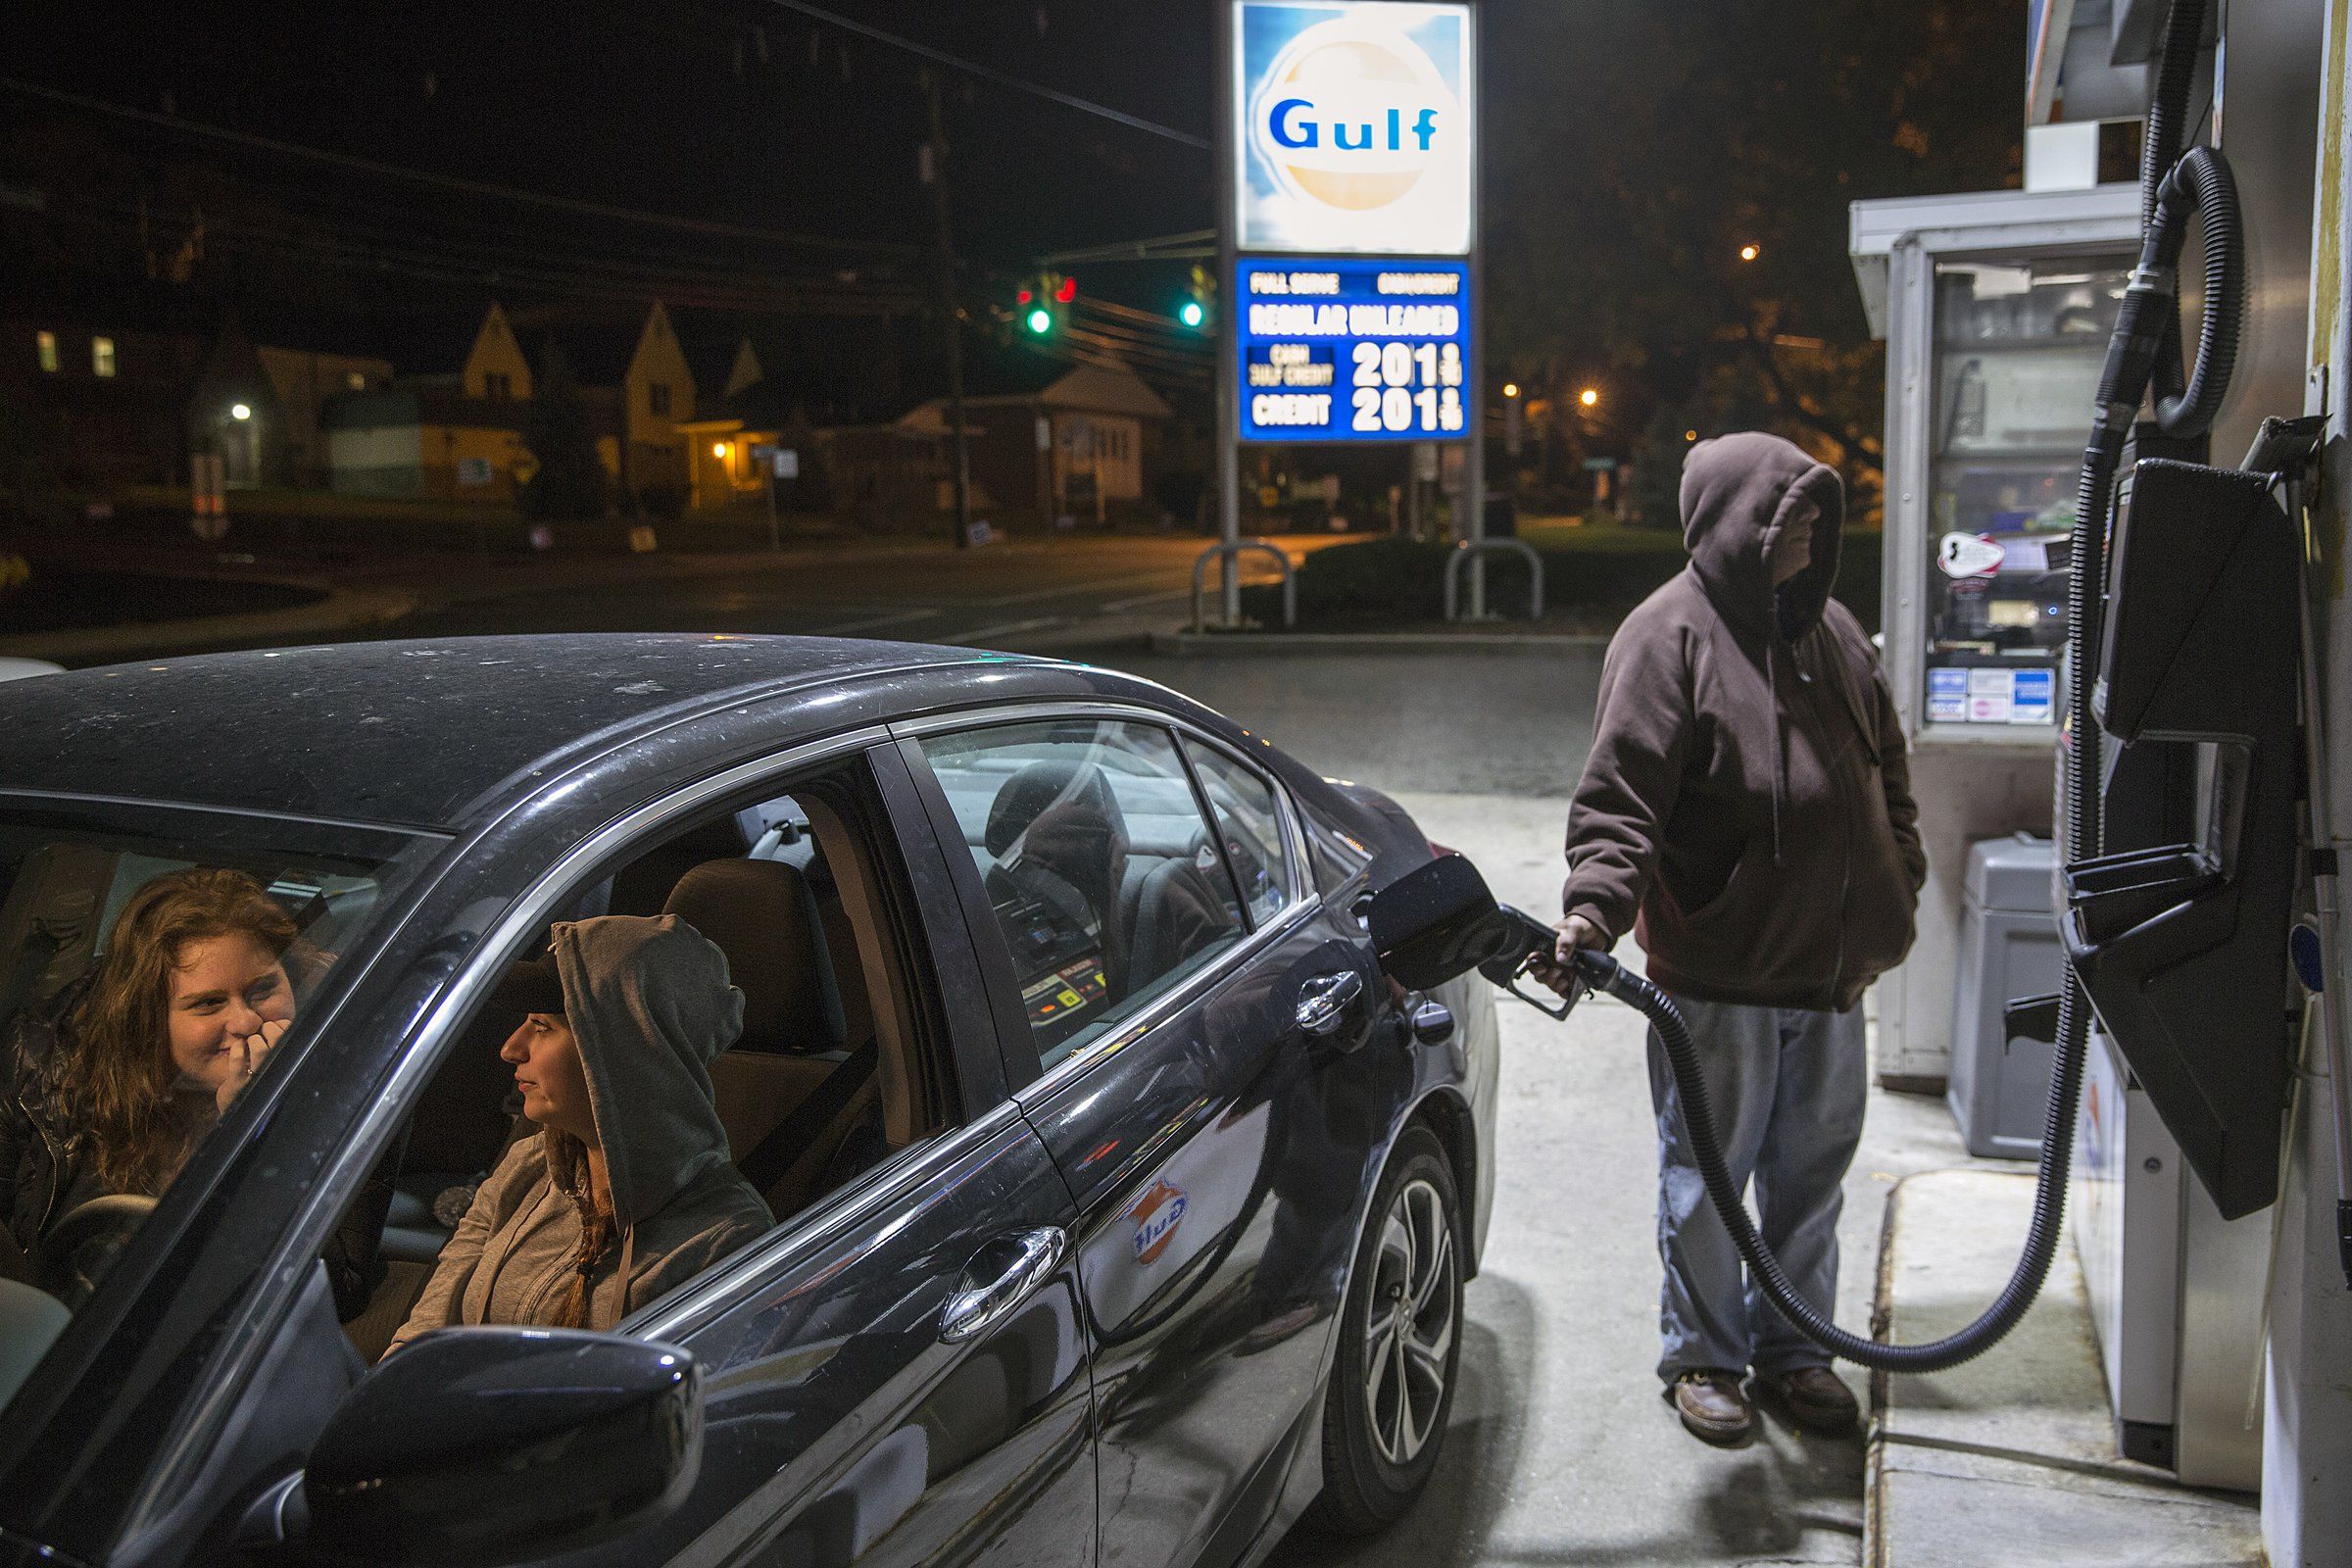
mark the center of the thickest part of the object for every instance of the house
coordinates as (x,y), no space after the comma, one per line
(725,438)
(105,388)
(123,391)
(300,384)
(1077,445)
(459,435)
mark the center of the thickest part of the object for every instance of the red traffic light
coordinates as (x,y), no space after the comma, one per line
(1068,290)
(1025,296)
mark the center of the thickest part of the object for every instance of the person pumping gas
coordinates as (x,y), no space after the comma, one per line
(1746,812)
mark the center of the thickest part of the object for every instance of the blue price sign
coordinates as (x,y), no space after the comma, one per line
(1355,350)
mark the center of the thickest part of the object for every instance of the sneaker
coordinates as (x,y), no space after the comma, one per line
(1816,1397)
(1711,1405)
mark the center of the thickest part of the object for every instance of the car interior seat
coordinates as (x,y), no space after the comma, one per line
(1059,840)
(795,1088)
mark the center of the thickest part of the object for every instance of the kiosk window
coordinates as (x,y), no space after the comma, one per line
(1104,877)
(2017,351)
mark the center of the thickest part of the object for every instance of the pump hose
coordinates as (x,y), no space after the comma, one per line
(1707,1146)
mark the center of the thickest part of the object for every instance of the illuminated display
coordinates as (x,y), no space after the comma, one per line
(1355,128)
(1353,350)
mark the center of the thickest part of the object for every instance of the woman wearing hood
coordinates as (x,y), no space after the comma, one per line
(628,1188)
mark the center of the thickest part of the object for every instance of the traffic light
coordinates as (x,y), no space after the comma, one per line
(1042,305)
(1199,301)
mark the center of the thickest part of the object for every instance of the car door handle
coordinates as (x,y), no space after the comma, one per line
(1325,1001)
(1001,1278)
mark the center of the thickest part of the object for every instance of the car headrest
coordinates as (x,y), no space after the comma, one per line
(761,915)
(1026,796)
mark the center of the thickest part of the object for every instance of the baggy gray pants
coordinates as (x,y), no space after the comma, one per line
(1787,1087)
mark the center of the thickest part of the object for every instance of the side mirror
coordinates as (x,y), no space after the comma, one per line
(1435,922)
(502,1445)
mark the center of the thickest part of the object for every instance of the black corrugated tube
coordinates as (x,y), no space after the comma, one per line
(2144,351)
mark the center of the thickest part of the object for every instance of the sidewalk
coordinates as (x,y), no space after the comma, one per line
(2011,1457)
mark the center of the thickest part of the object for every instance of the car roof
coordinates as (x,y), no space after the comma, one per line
(400,732)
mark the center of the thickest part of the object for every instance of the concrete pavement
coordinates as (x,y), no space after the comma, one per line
(1560,1450)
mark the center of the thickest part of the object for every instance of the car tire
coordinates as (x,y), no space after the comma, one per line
(1393,1380)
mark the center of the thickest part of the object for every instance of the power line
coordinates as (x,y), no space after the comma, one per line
(990,73)
(471,187)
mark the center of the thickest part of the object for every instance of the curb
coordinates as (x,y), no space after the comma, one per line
(342,610)
(1193,643)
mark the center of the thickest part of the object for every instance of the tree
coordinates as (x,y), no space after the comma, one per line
(1657,492)
(569,484)
(1674,136)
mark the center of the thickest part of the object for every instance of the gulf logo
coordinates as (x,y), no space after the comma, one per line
(1156,1215)
(1353,114)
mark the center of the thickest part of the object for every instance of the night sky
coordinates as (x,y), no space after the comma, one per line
(1629,142)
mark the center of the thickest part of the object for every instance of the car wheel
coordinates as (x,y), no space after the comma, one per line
(1400,1341)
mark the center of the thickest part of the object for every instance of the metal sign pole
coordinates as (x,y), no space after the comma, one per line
(1474,470)
(1229,391)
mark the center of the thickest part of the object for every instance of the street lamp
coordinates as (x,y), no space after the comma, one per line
(1510,389)
(238,411)
(1748,253)
(1590,397)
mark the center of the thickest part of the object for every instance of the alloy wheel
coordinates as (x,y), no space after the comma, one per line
(1409,1324)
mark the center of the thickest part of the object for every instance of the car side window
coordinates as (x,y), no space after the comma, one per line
(1104,877)
(766,942)
(1249,823)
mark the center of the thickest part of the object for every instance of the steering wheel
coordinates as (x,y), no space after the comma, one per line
(77,1247)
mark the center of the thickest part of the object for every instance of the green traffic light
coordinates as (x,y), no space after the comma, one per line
(1041,321)
(1191,314)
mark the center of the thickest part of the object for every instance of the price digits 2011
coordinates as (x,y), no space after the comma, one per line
(1396,382)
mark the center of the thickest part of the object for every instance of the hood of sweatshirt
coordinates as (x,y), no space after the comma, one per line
(1739,493)
(650,1003)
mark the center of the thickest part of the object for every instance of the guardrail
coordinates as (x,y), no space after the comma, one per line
(1468,549)
(1224,554)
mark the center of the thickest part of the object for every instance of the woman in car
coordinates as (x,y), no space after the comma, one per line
(627,1188)
(115,1081)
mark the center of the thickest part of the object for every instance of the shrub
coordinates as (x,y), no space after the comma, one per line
(1391,581)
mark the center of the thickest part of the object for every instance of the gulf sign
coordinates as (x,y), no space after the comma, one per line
(1354,131)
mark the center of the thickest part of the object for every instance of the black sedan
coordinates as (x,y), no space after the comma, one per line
(1123,1205)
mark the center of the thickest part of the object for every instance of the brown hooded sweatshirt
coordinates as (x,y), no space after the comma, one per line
(1746,807)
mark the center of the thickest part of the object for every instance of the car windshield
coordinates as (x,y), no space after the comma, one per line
(151,962)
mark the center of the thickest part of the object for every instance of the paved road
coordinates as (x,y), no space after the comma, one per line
(1013,595)
(1481,724)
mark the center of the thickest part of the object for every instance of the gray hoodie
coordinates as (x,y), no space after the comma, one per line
(649,1005)
(1746,807)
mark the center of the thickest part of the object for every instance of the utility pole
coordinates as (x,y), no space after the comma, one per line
(935,176)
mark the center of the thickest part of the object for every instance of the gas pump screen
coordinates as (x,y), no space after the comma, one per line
(1357,350)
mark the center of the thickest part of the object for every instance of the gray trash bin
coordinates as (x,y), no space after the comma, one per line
(2000,1089)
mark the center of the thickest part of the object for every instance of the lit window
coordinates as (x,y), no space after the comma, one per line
(357,380)
(45,344)
(102,356)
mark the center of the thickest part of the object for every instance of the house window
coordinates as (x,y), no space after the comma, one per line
(497,385)
(102,356)
(656,398)
(45,345)
(357,380)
